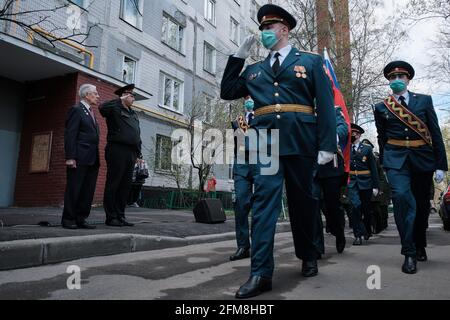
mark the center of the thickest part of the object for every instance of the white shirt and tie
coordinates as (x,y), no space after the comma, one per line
(283,53)
(247,116)
(399,97)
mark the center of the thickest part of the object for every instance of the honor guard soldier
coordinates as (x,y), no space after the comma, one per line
(411,150)
(122,150)
(363,185)
(284,87)
(380,203)
(332,178)
(243,181)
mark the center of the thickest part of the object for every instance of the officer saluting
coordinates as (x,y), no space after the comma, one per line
(363,184)
(411,150)
(122,150)
(284,87)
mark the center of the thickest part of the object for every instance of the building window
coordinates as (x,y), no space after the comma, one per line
(234,30)
(81,3)
(230,172)
(209,58)
(254,8)
(131,12)
(171,93)
(210,11)
(172,33)
(129,70)
(163,154)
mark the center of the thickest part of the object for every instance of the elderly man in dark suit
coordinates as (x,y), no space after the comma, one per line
(81,140)
(122,150)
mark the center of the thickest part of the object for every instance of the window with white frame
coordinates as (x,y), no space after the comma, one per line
(210,11)
(171,93)
(81,3)
(254,8)
(209,58)
(129,70)
(172,33)
(131,12)
(163,154)
(234,30)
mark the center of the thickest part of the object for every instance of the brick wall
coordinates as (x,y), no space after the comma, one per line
(47,104)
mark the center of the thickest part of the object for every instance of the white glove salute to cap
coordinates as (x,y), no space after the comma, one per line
(246,46)
(325,157)
(439,176)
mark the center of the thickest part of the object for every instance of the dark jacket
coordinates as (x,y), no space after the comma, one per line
(300,133)
(123,124)
(81,137)
(363,160)
(424,158)
(329,170)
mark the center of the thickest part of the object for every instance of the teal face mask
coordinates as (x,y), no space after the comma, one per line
(269,39)
(398,86)
(249,105)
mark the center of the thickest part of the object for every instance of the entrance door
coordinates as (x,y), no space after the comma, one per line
(11,111)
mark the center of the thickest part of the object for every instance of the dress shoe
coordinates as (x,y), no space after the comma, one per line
(69,225)
(410,265)
(114,223)
(358,241)
(421,254)
(340,243)
(309,268)
(254,287)
(125,223)
(241,253)
(85,225)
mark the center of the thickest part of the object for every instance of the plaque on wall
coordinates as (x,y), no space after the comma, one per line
(41,149)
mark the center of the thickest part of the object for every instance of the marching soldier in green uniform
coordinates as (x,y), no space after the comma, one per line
(332,178)
(363,184)
(411,151)
(243,181)
(284,87)
(379,203)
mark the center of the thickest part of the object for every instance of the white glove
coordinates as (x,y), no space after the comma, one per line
(375,192)
(325,157)
(439,176)
(245,48)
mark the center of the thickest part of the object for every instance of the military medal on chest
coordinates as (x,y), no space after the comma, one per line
(300,72)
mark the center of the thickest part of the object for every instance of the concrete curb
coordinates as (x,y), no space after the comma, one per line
(32,253)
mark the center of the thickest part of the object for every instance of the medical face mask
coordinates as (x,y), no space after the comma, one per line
(249,105)
(269,38)
(398,86)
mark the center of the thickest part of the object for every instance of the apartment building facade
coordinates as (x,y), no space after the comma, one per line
(173,50)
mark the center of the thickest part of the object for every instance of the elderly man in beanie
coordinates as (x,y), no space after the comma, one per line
(411,151)
(122,150)
(292,94)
